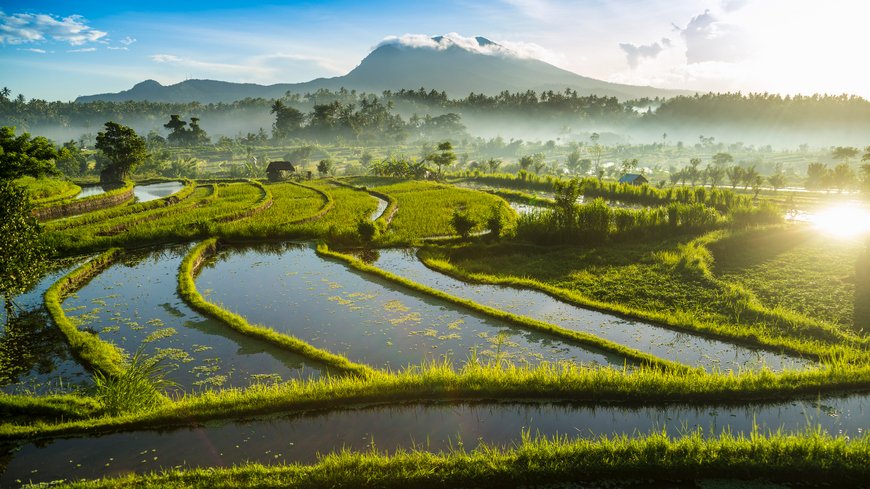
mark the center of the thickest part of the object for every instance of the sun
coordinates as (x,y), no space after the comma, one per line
(843,221)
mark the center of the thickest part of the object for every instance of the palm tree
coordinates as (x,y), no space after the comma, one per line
(4,94)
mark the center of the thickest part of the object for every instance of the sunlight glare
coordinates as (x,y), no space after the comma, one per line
(843,221)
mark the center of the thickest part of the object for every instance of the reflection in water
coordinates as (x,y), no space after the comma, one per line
(370,320)
(679,346)
(34,355)
(431,428)
(135,303)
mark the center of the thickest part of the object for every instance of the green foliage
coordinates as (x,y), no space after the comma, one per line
(462,223)
(137,389)
(23,252)
(325,166)
(495,223)
(22,156)
(367,230)
(123,147)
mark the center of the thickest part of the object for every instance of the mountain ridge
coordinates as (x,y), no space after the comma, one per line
(392,66)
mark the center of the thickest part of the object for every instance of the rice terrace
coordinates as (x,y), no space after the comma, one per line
(351,283)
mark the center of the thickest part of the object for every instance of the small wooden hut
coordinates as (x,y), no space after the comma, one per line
(275,170)
(633,179)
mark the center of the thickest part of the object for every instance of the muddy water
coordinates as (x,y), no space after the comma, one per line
(430,428)
(290,289)
(681,347)
(134,303)
(35,358)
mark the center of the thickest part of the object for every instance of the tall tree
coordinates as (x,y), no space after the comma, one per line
(123,147)
(23,253)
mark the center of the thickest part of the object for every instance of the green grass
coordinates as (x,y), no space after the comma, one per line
(771,287)
(667,282)
(45,190)
(797,269)
(809,458)
(187,289)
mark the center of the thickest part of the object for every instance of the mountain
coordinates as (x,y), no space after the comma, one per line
(456,69)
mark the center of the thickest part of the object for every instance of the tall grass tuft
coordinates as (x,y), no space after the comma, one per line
(138,388)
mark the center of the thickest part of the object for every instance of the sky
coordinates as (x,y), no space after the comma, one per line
(58,50)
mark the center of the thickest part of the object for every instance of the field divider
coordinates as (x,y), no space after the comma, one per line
(259,206)
(170,211)
(188,291)
(78,206)
(330,203)
(51,199)
(176,198)
(751,339)
(383,221)
(95,354)
(584,338)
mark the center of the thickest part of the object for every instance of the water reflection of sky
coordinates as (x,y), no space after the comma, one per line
(135,302)
(686,348)
(431,428)
(368,319)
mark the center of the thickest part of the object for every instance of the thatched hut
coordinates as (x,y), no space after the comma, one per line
(275,170)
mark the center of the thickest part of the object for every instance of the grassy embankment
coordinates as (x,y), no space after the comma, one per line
(668,274)
(668,282)
(724,461)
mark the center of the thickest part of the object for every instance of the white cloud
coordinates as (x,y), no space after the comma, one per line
(33,50)
(709,39)
(500,48)
(84,50)
(25,28)
(117,48)
(165,58)
(127,41)
(325,63)
(636,54)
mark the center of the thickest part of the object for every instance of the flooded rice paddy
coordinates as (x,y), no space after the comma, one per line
(432,428)
(292,290)
(35,357)
(382,206)
(685,348)
(134,303)
(154,191)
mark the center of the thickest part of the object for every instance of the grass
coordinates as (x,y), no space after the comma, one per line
(95,354)
(425,209)
(811,458)
(46,190)
(667,282)
(188,291)
(795,269)
(760,286)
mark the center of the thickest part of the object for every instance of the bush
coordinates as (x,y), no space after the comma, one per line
(495,222)
(462,223)
(367,230)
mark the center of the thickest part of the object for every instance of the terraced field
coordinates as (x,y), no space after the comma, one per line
(267,329)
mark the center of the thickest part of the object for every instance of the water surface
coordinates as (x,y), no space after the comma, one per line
(292,290)
(154,191)
(682,347)
(134,303)
(35,358)
(432,428)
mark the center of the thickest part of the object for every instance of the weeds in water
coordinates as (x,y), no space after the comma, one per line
(137,389)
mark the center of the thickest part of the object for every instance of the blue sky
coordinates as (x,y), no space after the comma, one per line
(59,50)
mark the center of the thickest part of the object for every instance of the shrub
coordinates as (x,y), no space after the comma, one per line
(462,223)
(367,230)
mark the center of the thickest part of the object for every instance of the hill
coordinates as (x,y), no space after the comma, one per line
(458,70)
